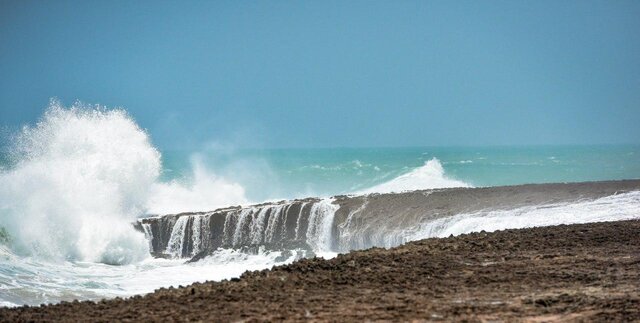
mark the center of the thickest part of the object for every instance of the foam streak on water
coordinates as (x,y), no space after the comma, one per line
(618,207)
(31,281)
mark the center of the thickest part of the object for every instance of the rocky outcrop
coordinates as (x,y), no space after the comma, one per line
(299,224)
(345,223)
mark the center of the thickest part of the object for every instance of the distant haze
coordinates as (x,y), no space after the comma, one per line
(332,73)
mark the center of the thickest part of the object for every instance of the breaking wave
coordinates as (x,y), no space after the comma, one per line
(81,176)
(429,176)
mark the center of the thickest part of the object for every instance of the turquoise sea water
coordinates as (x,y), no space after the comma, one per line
(288,173)
(267,174)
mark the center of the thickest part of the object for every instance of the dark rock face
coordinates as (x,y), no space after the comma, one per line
(278,226)
(346,223)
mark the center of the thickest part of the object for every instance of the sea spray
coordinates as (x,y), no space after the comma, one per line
(430,175)
(81,175)
(203,191)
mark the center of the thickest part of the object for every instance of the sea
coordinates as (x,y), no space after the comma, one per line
(72,184)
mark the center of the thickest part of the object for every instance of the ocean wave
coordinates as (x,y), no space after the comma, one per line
(429,176)
(81,176)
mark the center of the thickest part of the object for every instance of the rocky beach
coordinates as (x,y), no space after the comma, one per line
(567,272)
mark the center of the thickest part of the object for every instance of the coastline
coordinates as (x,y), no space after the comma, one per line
(581,271)
(354,222)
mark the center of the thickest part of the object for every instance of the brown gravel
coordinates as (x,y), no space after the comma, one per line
(576,272)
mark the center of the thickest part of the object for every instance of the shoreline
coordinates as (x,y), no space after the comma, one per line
(581,271)
(344,223)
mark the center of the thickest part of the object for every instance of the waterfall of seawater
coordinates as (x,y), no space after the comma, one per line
(349,223)
(291,225)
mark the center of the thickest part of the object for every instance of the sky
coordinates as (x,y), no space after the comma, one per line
(261,74)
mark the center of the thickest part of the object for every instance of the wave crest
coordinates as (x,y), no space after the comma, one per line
(80,178)
(429,176)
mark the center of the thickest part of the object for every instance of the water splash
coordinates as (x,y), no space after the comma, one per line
(204,191)
(430,175)
(81,176)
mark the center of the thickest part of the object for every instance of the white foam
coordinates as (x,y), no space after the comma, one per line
(618,207)
(31,281)
(207,191)
(82,176)
(429,176)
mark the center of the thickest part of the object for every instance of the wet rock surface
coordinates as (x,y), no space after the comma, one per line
(570,272)
(358,222)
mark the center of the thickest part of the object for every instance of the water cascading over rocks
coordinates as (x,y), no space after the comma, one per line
(345,223)
(300,224)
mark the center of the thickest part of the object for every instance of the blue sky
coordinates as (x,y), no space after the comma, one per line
(332,73)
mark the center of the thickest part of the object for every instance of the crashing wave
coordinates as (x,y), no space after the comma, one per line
(429,176)
(81,175)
